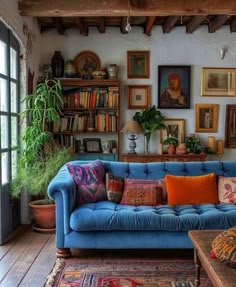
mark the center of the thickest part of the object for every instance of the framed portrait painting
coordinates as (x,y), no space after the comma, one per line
(138,96)
(174,128)
(218,82)
(174,87)
(138,64)
(206,118)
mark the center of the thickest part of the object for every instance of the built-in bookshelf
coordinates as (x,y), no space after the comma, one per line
(90,110)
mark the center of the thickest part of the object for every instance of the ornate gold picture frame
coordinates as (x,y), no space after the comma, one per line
(206,118)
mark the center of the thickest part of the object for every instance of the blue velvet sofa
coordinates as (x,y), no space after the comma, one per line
(107,225)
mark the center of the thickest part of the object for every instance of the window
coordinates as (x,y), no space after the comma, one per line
(9,122)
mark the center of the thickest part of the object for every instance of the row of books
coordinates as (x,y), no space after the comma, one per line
(91,97)
(80,122)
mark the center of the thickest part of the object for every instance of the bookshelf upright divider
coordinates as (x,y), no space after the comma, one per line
(90,114)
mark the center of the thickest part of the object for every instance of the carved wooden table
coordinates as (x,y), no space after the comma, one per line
(219,273)
(163,157)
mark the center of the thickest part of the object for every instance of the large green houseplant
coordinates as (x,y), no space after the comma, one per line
(41,158)
(150,119)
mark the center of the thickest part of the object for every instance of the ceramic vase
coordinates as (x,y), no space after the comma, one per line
(112,71)
(70,71)
(57,63)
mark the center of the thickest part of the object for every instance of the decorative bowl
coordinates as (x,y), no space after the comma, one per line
(99,74)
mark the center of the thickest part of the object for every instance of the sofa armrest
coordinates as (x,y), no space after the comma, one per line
(62,189)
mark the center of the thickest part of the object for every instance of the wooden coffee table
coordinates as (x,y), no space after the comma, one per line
(219,273)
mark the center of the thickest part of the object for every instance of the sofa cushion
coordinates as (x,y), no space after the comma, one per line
(108,216)
(227,189)
(89,179)
(115,187)
(224,247)
(141,192)
(191,189)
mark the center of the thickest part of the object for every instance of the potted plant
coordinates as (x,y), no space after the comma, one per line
(172,144)
(41,158)
(193,145)
(150,119)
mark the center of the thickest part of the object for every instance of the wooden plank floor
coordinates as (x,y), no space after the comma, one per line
(28,258)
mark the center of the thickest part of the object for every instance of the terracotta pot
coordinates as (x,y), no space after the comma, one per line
(43,214)
(171,149)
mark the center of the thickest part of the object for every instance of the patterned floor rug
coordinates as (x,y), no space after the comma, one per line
(124,273)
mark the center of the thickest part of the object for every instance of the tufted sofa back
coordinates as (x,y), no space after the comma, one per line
(158,170)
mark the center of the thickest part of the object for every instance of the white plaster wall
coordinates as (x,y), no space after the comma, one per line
(199,49)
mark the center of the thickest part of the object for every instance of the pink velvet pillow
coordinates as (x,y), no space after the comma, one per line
(142,192)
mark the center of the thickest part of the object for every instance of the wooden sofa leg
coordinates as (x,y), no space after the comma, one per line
(63,253)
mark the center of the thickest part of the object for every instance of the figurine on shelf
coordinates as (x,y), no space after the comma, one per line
(106,146)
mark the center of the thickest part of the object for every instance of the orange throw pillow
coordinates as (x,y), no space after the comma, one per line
(191,189)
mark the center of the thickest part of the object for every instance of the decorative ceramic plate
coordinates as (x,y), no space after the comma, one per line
(85,63)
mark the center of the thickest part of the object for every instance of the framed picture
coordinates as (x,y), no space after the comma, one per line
(174,128)
(206,118)
(218,82)
(92,145)
(138,96)
(138,64)
(230,126)
(174,87)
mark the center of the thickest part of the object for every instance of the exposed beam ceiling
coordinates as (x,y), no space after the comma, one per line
(83,14)
(81,8)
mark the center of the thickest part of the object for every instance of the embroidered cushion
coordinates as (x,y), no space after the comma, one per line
(89,179)
(224,247)
(191,189)
(114,186)
(142,192)
(227,189)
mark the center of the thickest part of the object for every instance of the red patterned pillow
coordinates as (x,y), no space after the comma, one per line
(89,179)
(224,247)
(142,192)
(115,187)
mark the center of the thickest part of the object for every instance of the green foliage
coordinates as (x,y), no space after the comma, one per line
(150,119)
(171,140)
(41,158)
(35,178)
(42,108)
(193,145)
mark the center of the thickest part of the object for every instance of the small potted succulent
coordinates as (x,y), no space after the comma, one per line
(172,144)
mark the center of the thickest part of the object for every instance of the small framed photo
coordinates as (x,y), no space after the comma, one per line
(92,145)
(206,118)
(218,82)
(138,96)
(174,128)
(174,87)
(138,63)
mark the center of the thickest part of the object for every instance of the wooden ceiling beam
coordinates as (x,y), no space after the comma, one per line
(219,20)
(83,27)
(59,25)
(149,25)
(101,24)
(233,25)
(123,25)
(170,23)
(82,8)
(194,23)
